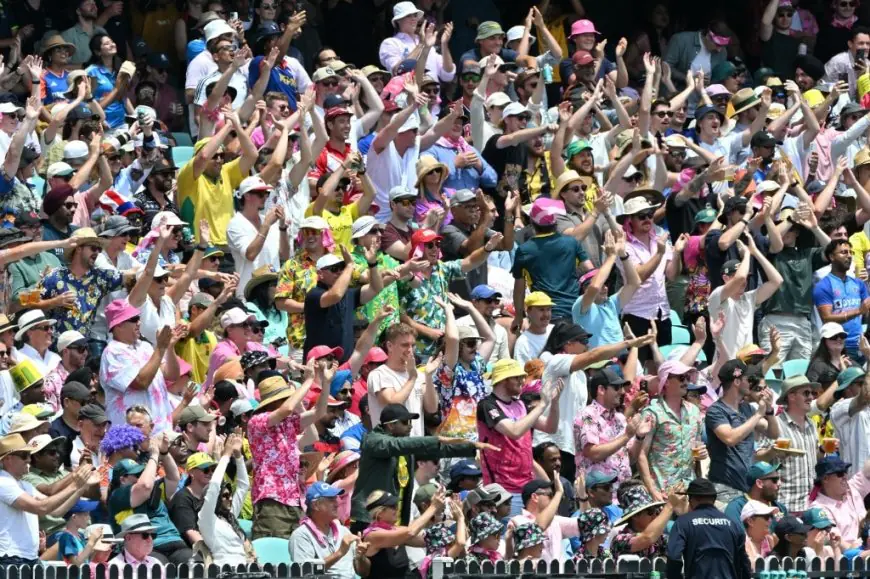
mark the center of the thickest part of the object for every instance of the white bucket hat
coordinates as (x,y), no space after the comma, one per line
(403,9)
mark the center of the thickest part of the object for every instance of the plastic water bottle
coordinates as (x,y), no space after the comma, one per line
(547,73)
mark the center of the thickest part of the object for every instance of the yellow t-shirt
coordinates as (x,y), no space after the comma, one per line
(860,247)
(204,198)
(196,352)
(339,224)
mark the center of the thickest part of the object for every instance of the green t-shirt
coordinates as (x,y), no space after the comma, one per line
(26,273)
(37,477)
(795,295)
(154,507)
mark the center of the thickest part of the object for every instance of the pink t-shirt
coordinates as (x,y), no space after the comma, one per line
(276,459)
(512,466)
(560,528)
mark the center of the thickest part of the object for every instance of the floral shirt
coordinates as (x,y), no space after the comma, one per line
(418,302)
(672,439)
(460,390)
(698,287)
(89,289)
(162,260)
(621,545)
(276,459)
(297,278)
(119,366)
(597,425)
(389,296)
(52,385)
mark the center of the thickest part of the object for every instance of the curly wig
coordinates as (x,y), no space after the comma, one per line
(120,437)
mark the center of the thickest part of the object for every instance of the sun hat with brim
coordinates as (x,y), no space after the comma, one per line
(31,319)
(138,523)
(6,324)
(385,500)
(38,443)
(795,382)
(497,99)
(84,236)
(507,368)
(847,376)
(516,33)
(654,196)
(488,29)
(273,389)
(216,28)
(565,179)
(115,226)
(23,422)
(426,165)
(754,508)
(118,312)
(635,206)
(583,27)
(499,492)
(817,518)
(482,526)
(13,443)
(743,100)
(749,351)
(405,9)
(702,112)
(339,461)
(261,275)
(635,501)
(55,41)
(107,540)
(468,333)
(528,535)
(25,374)
(363,226)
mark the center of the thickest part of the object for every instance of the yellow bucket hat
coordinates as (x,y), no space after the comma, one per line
(507,368)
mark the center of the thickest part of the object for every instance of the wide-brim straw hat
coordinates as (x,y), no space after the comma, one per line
(427,164)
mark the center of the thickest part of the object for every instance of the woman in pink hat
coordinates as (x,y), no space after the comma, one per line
(343,472)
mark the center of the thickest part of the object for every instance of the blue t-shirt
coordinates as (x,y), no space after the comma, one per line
(842,295)
(729,464)
(549,264)
(105,84)
(69,545)
(280,79)
(55,86)
(602,321)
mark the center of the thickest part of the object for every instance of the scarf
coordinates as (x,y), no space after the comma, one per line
(460,145)
(490,554)
(326,240)
(318,536)
(377,525)
(147,241)
(846,23)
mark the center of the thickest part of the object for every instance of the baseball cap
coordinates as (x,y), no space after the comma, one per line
(465,468)
(515,110)
(754,508)
(582,58)
(322,490)
(200,460)
(831,464)
(59,169)
(847,376)
(71,338)
(127,466)
(730,267)
(762,139)
(731,370)
(328,260)
(790,525)
(425,493)
(318,352)
(595,477)
(484,292)
(497,99)
(93,412)
(194,413)
(534,486)
(235,317)
(817,518)
(463,196)
(395,413)
(400,192)
(831,329)
(75,391)
(759,470)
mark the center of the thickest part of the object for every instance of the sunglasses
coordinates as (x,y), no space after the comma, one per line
(161,280)
(71,205)
(133,320)
(491,300)
(577,188)
(785,13)
(268,6)
(113,158)
(329,83)
(643,216)
(470,78)
(256,329)
(664,114)
(337,268)
(4,354)
(146,536)
(433,244)
(213,258)
(678,153)
(432,90)
(838,337)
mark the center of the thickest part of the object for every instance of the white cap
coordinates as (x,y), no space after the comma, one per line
(7,108)
(516,33)
(170,217)
(241,406)
(159,272)
(832,329)
(59,169)
(362,226)
(485,61)
(314,222)
(766,186)
(514,110)
(328,260)
(403,9)
(75,150)
(497,99)
(754,508)
(412,124)
(216,28)
(235,316)
(68,338)
(675,141)
(400,191)
(250,184)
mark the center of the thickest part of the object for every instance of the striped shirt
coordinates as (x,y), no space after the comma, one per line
(238,81)
(798,472)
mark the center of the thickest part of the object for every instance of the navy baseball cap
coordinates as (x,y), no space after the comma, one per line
(158,60)
(334,100)
(322,490)
(596,477)
(267,30)
(831,465)
(406,66)
(465,468)
(484,292)
(790,525)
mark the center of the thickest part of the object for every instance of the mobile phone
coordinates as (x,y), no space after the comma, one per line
(860,54)
(844,77)
(234,15)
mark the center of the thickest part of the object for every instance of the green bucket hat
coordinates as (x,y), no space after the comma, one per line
(488,29)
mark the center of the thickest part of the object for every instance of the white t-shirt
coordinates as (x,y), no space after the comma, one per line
(571,402)
(389,169)
(703,60)
(19,531)
(382,378)
(238,81)
(853,433)
(78,445)
(99,328)
(152,320)
(529,346)
(240,234)
(739,317)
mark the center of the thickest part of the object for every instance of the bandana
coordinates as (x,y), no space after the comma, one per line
(844,22)
(460,145)
(318,536)
(376,526)
(490,554)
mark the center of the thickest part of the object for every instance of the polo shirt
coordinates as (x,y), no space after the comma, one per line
(212,200)
(549,263)
(19,530)
(305,547)
(843,295)
(26,273)
(729,464)
(601,320)
(50,524)
(332,326)
(106,80)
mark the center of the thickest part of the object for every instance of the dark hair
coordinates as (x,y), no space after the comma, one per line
(539,450)
(363,402)
(719,28)
(659,102)
(227,514)
(260,297)
(859,30)
(544,229)
(94,45)
(833,246)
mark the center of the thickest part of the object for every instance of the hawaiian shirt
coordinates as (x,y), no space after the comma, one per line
(389,296)
(418,302)
(672,439)
(276,459)
(597,425)
(459,398)
(53,384)
(90,290)
(621,545)
(162,260)
(119,366)
(297,278)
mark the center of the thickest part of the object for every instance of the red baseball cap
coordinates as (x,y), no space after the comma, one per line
(376,355)
(424,236)
(336,112)
(582,58)
(318,352)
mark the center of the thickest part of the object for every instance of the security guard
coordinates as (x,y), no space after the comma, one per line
(711,545)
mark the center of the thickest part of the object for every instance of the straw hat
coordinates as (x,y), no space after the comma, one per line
(565,179)
(12,443)
(84,236)
(261,275)
(273,389)
(507,368)
(55,41)
(427,164)
(29,320)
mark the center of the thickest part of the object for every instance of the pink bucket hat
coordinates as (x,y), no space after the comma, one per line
(544,210)
(583,27)
(119,311)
